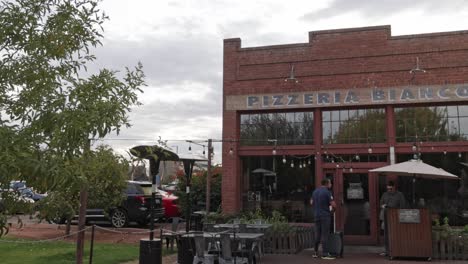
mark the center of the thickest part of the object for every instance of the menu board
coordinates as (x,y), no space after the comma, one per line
(355,191)
(409,216)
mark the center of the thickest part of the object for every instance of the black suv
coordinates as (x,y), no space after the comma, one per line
(135,208)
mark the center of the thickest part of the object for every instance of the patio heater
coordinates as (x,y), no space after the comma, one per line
(189,160)
(150,250)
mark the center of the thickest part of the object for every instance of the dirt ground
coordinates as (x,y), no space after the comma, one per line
(32,229)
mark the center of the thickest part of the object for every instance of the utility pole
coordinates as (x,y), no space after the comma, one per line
(208,176)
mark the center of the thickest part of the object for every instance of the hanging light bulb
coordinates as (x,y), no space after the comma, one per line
(274,151)
(414,148)
(309,161)
(337,165)
(300,165)
(445,152)
(284,159)
(369,150)
(357,157)
(351,169)
(292,164)
(231,151)
(459,155)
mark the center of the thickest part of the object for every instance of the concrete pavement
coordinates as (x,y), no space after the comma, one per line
(352,255)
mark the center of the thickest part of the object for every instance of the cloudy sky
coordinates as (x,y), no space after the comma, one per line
(180,45)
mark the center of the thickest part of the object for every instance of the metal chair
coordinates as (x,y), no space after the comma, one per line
(201,255)
(171,236)
(229,256)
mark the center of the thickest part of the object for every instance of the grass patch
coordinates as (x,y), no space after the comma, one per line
(64,252)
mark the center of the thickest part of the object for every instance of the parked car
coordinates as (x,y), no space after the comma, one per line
(14,198)
(29,193)
(17,185)
(134,208)
(170,203)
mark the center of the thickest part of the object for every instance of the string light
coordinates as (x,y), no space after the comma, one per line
(231,151)
(459,155)
(284,159)
(292,164)
(274,151)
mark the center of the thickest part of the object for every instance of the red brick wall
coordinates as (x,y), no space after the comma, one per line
(334,59)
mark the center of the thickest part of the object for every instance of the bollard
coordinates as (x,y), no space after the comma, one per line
(150,251)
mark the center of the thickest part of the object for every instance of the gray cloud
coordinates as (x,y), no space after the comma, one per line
(166,61)
(375,9)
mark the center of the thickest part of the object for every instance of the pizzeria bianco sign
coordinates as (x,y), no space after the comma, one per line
(350,97)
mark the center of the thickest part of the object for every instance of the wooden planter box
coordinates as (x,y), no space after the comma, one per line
(288,242)
(451,245)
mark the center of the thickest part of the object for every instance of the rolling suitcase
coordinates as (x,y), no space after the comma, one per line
(335,241)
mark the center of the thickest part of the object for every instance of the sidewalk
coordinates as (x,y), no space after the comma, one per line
(354,254)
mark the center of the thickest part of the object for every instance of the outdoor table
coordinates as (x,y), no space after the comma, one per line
(246,236)
(235,226)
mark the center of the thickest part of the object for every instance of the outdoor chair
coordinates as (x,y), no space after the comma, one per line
(230,254)
(172,235)
(201,255)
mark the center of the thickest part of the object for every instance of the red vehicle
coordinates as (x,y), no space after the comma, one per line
(169,201)
(170,204)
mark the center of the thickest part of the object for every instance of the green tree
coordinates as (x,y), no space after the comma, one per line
(46,92)
(198,191)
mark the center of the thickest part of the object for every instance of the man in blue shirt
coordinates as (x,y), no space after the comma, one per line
(323,203)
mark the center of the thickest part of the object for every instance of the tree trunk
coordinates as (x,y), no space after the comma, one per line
(81,224)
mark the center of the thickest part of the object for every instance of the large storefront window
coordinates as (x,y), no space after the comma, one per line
(438,123)
(353,126)
(270,185)
(291,128)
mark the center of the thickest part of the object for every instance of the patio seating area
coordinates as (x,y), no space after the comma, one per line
(222,243)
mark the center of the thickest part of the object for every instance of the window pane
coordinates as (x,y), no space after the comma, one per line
(299,117)
(344,115)
(463,125)
(326,116)
(453,127)
(335,115)
(326,132)
(334,130)
(245,119)
(452,111)
(463,110)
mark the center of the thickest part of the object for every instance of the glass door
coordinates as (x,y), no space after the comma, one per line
(356,204)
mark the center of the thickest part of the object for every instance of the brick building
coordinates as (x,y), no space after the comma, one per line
(348,101)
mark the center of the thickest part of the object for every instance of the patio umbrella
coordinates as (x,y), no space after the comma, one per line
(417,169)
(264,171)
